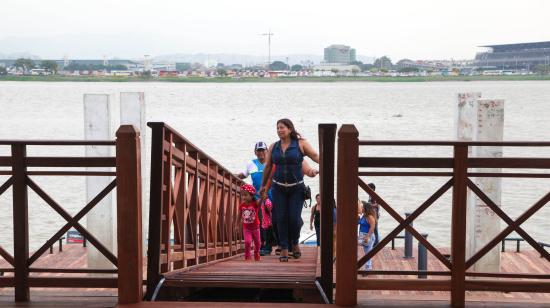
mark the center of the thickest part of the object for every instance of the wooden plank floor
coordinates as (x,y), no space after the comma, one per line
(74,256)
(527,261)
(267,273)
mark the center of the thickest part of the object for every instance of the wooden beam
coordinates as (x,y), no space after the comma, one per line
(129,215)
(403,284)
(458,226)
(346,233)
(20,222)
(327,134)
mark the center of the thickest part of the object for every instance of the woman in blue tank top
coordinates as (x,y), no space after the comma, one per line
(288,184)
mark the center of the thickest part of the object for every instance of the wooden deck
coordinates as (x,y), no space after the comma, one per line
(526,261)
(270,273)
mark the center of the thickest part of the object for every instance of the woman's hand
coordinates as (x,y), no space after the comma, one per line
(263,193)
(366,239)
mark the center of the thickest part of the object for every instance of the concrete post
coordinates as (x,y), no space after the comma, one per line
(490,127)
(466,121)
(132,112)
(100,221)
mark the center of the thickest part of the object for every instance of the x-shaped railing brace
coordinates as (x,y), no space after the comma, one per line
(405,223)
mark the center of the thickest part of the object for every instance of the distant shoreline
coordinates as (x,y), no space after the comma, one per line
(270,80)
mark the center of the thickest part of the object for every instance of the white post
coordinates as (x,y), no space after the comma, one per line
(100,220)
(490,127)
(132,111)
(466,121)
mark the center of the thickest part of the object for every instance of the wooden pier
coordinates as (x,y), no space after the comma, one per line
(195,240)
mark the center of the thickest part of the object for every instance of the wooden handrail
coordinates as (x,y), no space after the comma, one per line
(454,143)
(457,165)
(129,206)
(197,198)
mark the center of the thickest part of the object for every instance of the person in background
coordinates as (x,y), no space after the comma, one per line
(315,218)
(376,207)
(367,221)
(251,224)
(288,184)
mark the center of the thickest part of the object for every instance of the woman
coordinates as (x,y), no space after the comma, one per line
(367,222)
(315,219)
(288,184)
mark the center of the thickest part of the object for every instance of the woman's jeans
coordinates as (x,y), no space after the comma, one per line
(288,202)
(366,247)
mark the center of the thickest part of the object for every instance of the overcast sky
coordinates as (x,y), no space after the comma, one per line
(422,29)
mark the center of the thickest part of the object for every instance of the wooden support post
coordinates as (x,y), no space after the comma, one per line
(327,134)
(155,207)
(458,226)
(346,234)
(20,222)
(128,177)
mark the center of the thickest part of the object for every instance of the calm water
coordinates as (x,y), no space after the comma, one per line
(226,120)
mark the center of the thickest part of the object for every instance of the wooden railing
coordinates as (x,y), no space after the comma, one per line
(128,207)
(194,218)
(349,179)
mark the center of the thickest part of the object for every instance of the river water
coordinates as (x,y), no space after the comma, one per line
(225,120)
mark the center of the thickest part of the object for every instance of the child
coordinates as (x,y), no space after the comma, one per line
(251,224)
(367,222)
(266,232)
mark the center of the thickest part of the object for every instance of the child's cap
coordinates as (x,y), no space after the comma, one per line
(249,188)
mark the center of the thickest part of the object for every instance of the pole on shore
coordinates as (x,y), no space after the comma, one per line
(100,221)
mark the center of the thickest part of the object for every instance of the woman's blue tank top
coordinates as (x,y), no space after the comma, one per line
(289,163)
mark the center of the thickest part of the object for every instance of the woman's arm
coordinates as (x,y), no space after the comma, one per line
(311,218)
(372,224)
(308,170)
(308,150)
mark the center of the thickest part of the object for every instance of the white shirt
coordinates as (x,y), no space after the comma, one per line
(250,168)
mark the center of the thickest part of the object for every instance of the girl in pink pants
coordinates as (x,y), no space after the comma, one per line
(251,224)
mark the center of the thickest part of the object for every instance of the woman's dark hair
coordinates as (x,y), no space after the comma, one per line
(372,186)
(368,209)
(317,195)
(293,133)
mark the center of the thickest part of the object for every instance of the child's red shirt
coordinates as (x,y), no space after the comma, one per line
(249,214)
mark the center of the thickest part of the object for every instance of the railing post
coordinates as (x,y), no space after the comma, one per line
(327,134)
(346,232)
(20,222)
(422,258)
(155,207)
(408,251)
(458,226)
(128,178)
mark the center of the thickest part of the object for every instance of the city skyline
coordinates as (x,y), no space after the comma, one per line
(398,29)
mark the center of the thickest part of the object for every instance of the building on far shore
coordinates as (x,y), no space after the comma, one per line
(514,56)
(339,54)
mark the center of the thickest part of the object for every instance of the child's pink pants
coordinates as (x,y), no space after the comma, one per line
(249,236)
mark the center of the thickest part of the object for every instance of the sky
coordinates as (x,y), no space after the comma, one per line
(424,29)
